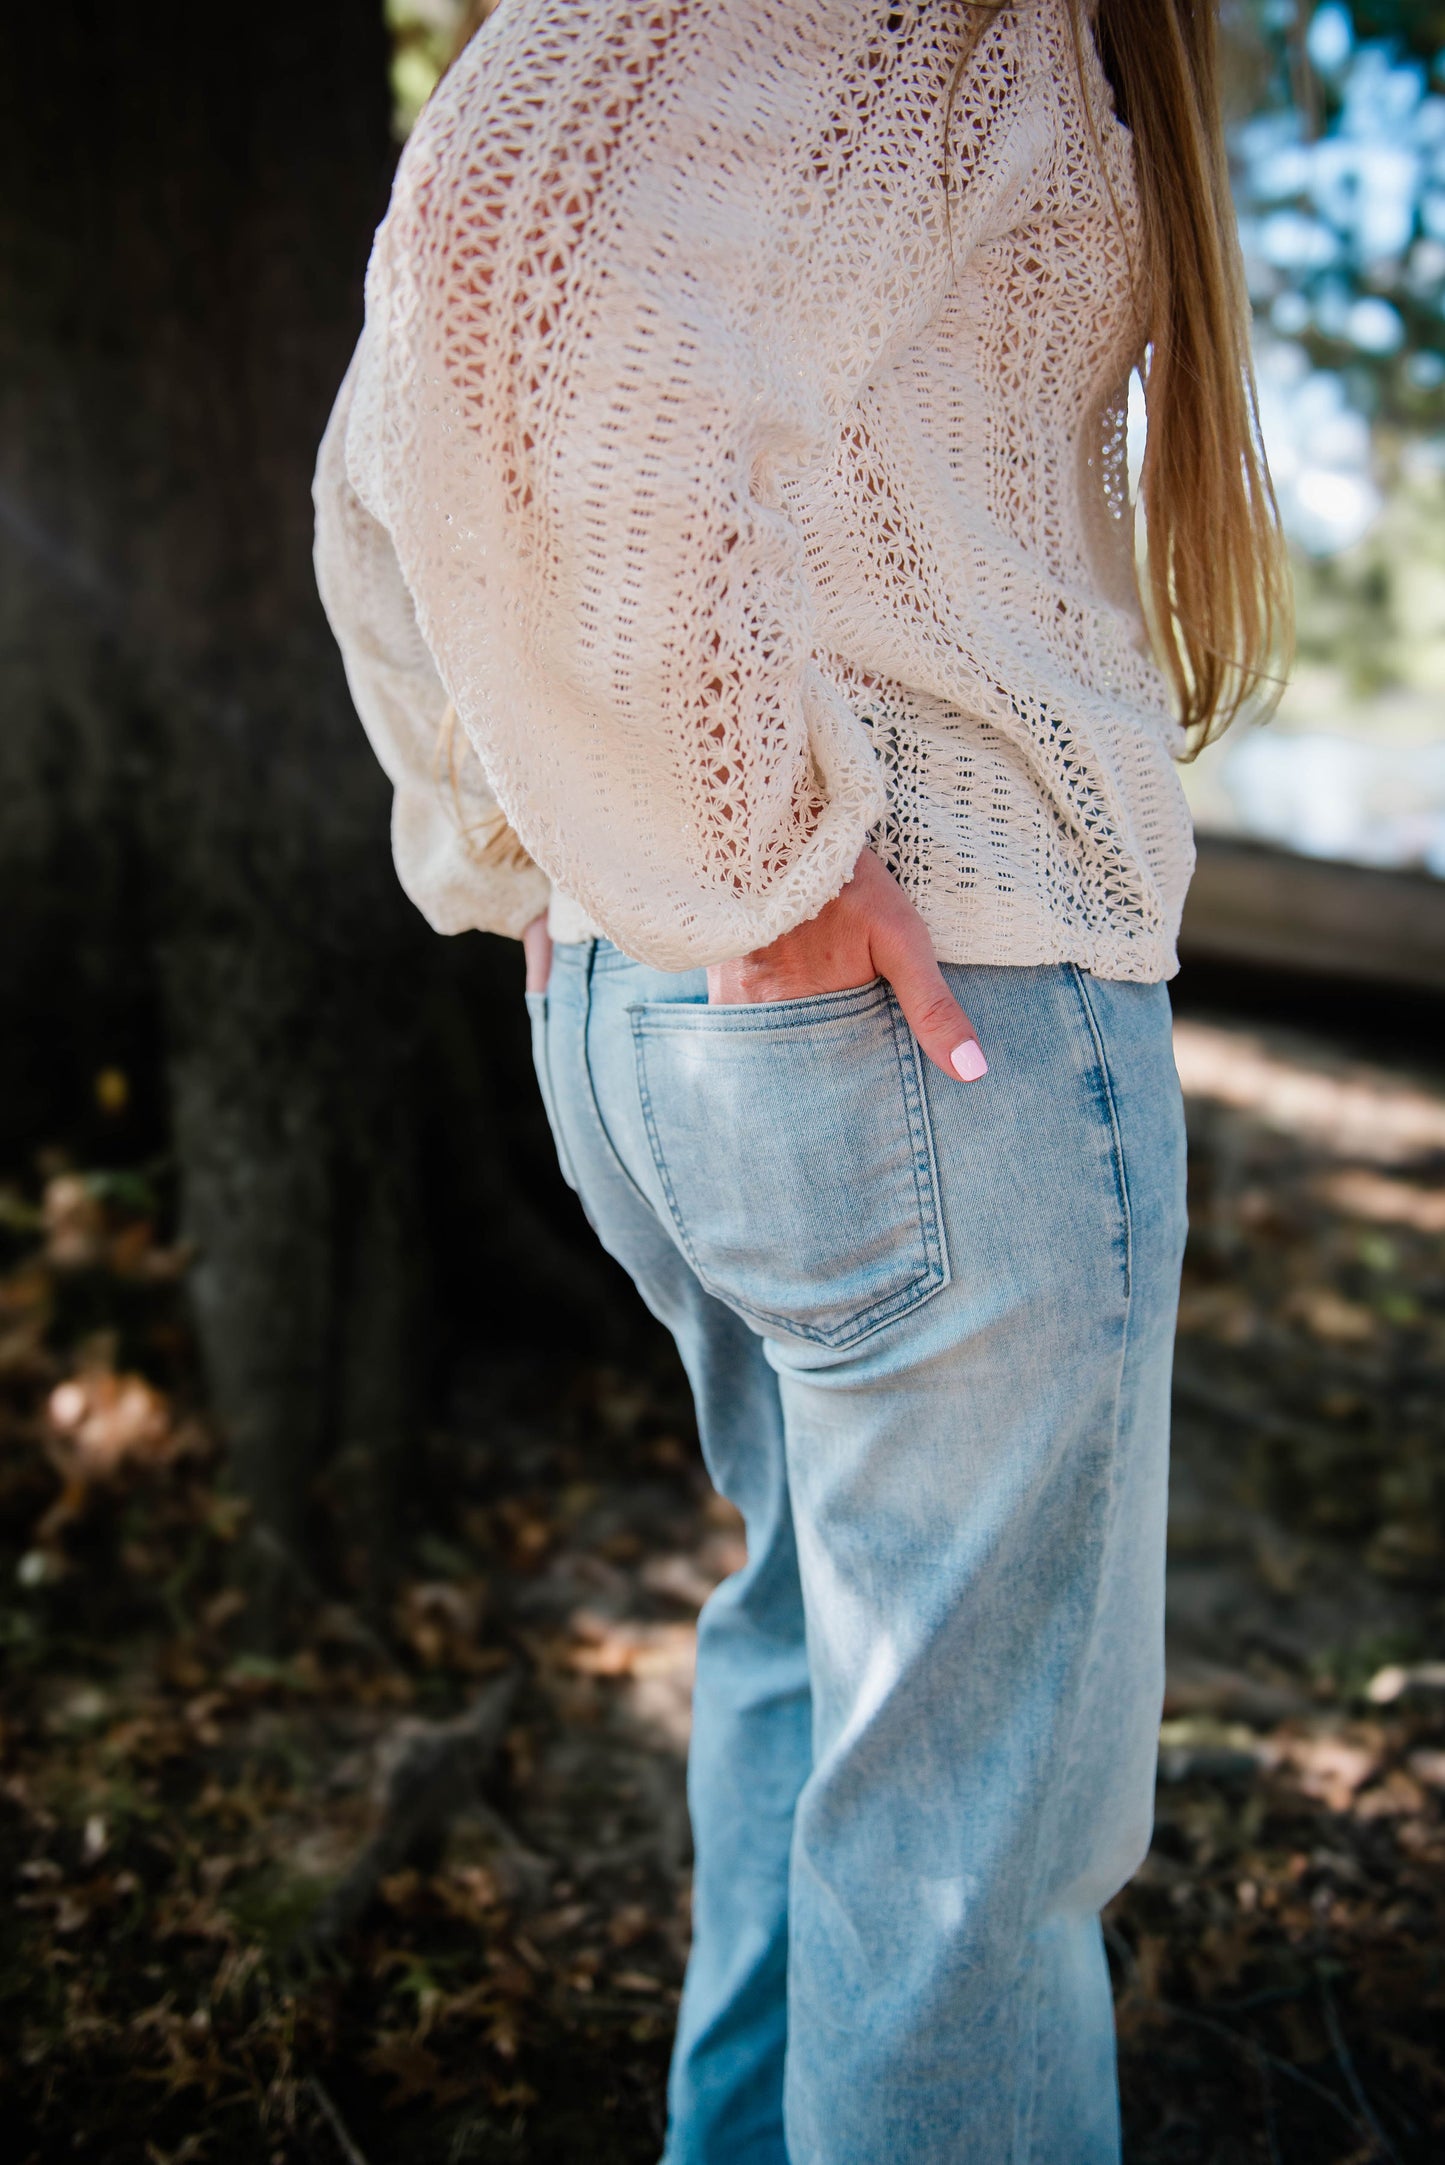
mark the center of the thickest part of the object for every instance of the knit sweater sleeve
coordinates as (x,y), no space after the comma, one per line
(442,810)
(638,262)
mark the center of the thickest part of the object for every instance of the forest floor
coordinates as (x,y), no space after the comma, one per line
(419,1890)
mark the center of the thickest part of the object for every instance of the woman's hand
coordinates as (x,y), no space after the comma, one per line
(537,948)
(870,930)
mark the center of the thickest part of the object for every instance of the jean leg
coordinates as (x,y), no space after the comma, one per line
(751,1738)
(979,1495)
(977,1492)
(750,1755)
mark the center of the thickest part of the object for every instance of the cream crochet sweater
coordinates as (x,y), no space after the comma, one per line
(741,450)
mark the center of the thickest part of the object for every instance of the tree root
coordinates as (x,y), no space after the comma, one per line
(326,2105)
(439,1771)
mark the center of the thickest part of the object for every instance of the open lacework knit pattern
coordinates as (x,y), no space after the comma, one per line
(747,465)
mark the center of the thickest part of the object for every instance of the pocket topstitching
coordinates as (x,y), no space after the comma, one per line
(793,1146)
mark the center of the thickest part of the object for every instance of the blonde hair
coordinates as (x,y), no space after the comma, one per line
(1217,590)
(1217,581)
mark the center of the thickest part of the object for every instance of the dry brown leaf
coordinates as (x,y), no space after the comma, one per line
(100,1419)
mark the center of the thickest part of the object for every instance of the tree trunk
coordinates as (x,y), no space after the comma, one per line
(194,831)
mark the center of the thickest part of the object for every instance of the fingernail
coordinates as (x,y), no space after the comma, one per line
(968,1060)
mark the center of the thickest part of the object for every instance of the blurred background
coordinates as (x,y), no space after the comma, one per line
(352,1531)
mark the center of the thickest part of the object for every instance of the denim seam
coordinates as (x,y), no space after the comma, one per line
(1111,1513)
(597,958)
(764,1015)
(1126,1321)
(920,1129)
(1036,2057)
(549,1094)
(1116,1138)
(930,1279)
(1064,1786)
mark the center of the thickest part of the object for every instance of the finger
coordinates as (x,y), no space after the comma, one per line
(537,949)
(904,955)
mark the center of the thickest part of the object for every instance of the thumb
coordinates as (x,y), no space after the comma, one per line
(537,951)
(903,953)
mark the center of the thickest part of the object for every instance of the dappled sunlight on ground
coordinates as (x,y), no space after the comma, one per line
(1277,1955)
(1345,1107)
(420,1883)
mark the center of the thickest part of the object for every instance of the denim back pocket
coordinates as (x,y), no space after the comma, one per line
(793,1146)
(537,1009)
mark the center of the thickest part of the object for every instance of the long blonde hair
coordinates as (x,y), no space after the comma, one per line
(1217,585)
(1217,581)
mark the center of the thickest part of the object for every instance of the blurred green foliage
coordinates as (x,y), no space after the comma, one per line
(1375,613)
(1339,165)
(425,34)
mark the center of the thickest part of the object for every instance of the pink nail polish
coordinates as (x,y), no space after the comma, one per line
(968,1060)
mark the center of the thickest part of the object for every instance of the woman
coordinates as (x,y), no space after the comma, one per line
(737,445)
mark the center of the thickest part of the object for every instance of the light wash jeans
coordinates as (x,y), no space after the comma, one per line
(928,1326)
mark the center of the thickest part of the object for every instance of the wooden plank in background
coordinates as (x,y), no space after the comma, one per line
(1250,903)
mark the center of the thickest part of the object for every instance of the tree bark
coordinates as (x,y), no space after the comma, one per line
(194,832)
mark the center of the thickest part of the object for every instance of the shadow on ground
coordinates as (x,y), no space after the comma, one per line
(419,1891)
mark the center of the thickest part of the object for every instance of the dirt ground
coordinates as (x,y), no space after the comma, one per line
(419,1891)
